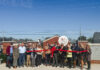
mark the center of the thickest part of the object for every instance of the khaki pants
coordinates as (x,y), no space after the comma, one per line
(74,63)
(15,59)
(82,63)
(28,60)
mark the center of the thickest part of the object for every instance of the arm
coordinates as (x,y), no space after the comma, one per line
(89,51)
(7,51)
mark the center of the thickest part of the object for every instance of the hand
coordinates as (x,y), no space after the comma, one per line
(51,56)
(13,56)
(77,52)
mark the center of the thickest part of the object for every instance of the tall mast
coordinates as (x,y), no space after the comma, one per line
(80,32)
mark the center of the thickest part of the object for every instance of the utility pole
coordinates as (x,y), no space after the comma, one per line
(80,33)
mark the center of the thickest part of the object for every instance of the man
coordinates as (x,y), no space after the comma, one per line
(22,50)
(62,55)
(9,52)
(74,54)
(0,49)
(33,55)
(77,54)
(55,55)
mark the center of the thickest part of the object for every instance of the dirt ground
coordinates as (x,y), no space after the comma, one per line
(42,67)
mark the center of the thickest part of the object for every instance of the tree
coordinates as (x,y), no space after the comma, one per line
(47,38)
(82,38)
(72,40)
(90,39)
(14,39)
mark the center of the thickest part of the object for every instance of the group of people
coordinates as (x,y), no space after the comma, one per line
(19,55)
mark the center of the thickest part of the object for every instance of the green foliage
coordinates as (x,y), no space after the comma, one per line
(90,40)
(14,39)
(3,57)
(82,38)
(47,38)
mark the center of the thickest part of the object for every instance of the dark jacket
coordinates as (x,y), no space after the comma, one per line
(33,53)
(8,50)
(63,53)
(28,49)
(56,51)
(0,50)
(88,55)
(74,48)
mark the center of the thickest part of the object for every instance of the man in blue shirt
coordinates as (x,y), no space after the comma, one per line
(9,52)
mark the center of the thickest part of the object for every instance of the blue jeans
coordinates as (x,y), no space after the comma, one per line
(10,60)
(21,59)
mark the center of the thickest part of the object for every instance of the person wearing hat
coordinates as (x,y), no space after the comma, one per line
(15,55)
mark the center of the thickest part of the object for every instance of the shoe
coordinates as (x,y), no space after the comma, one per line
(9,67)
(88,68)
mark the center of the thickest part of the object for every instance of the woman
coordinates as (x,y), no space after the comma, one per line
(47,55)
(28,54)
(33,55)
(39,55)
(62,55)
(15,55)
(74,54)
(88,56)
(81,55)
(69,55)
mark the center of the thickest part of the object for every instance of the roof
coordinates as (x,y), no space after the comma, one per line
(31,41)
(50,38)
(82,41)
(94,44)
(96,37)
(7,41)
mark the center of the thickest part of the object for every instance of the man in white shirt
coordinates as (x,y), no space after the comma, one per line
(22,50)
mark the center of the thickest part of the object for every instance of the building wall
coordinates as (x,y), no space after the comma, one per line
(5,46)
(35,43)
(51,41)
(95,56)
(96,37)
(95,51)
(95,48)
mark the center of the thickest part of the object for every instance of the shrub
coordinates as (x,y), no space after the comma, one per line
(3,57)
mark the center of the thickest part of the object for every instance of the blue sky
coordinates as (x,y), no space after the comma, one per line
(64,17)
